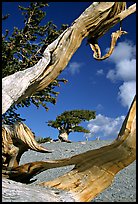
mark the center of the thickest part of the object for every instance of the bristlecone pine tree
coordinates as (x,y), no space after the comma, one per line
(93,170)
(22,50)
(69,122)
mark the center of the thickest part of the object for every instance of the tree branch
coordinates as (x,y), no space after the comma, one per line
(56,56)
(93,170)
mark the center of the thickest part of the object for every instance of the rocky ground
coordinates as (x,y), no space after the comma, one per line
(123,188)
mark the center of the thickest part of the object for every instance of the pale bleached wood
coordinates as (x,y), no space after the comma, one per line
(95,21)
(93,170)
(15,141)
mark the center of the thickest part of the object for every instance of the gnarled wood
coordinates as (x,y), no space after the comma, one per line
(95,21)
(93,170)
(96,49)
(15,141)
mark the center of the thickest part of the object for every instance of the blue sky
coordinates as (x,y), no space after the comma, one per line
(108,87)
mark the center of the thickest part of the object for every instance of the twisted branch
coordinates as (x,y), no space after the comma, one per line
(95,21)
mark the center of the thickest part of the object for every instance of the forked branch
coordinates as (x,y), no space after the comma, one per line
(95,21)
(93,170)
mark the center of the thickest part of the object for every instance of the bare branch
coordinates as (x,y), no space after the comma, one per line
(57,55)
(93,170)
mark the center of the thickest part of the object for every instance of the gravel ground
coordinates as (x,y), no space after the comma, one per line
(123,188)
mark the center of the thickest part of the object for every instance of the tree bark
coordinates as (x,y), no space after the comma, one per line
(63,137)
(15,141)
(94,170)
(95,21)
(17,192)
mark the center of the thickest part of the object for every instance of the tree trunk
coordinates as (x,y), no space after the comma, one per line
(94,22)
(95,169)
(17,192)
(15,141)
(63,137)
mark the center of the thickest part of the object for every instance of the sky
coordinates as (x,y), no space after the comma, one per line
(107,87)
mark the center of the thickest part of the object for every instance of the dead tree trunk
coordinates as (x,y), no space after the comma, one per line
(94,22)
(15,141)
(94,170)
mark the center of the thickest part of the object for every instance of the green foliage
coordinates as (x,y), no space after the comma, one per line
(24,48)
(69,121)
(43,140)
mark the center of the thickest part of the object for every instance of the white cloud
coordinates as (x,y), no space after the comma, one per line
(74,67)
(111,75)
(124,57)
(123,50)
(126,93)
(100,72)
(125,70)
(105,127)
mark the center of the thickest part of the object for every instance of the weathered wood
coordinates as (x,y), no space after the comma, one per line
(96,49)
(94,170)
(17,192)
(95,21)
(15,141)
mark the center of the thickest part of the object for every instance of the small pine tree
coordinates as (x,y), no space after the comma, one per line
(69,122)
